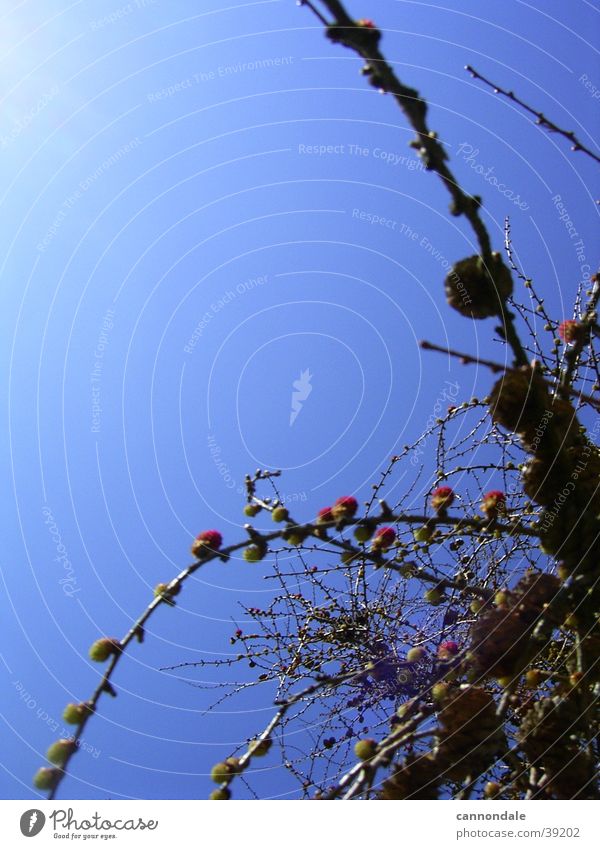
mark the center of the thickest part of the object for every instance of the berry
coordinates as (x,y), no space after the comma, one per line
(220,772)
(220,794)
(475,605)
(296,538)
(259,748)
(254,553)
(251,509)
(45,778)
(505,680)
(206,542)
(365,22)
(384,539)
(442,498)
(491,789)
(325,514)
(344,508)
(416,654)
(439,691)
(569,331)
(365,749)
(501,598)
(75,714)
(280,514)
(163,591)
(362,533)
(534,678)
(405,709)
(433,597)
(447,650)
(494,503)
(60,751)
(423,534)
(102,649)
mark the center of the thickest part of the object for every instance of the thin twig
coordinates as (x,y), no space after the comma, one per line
(541,119)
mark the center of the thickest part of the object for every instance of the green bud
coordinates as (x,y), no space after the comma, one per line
(254,553)
(60,751)
(423,534)
(433,597)
(102,649)
(365,749)
(280,514)
(362,533)
(75,714)
(259,748)
(221,794)
(45,778)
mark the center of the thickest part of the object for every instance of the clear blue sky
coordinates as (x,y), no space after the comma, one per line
(175,253)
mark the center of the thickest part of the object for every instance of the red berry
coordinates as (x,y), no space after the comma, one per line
(494,502)
(569,331)
(324,515)
(205,542)
(442,498)
(447,649)
(366,22)
(344,508)
(384,538)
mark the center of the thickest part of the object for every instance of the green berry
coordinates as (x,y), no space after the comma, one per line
(433,597)
(280,514)
(163,591)
(251,509)
(102,649)
(253,553)
(221,794)
(60,751)
(476,605)
(45,778)
(415,654)
(365,749)
(296,539)
(439,691)
(220,772)
(259,748)
(75,714)
(422,534)
(362,533)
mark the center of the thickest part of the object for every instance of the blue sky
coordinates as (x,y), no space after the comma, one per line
(200,202)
